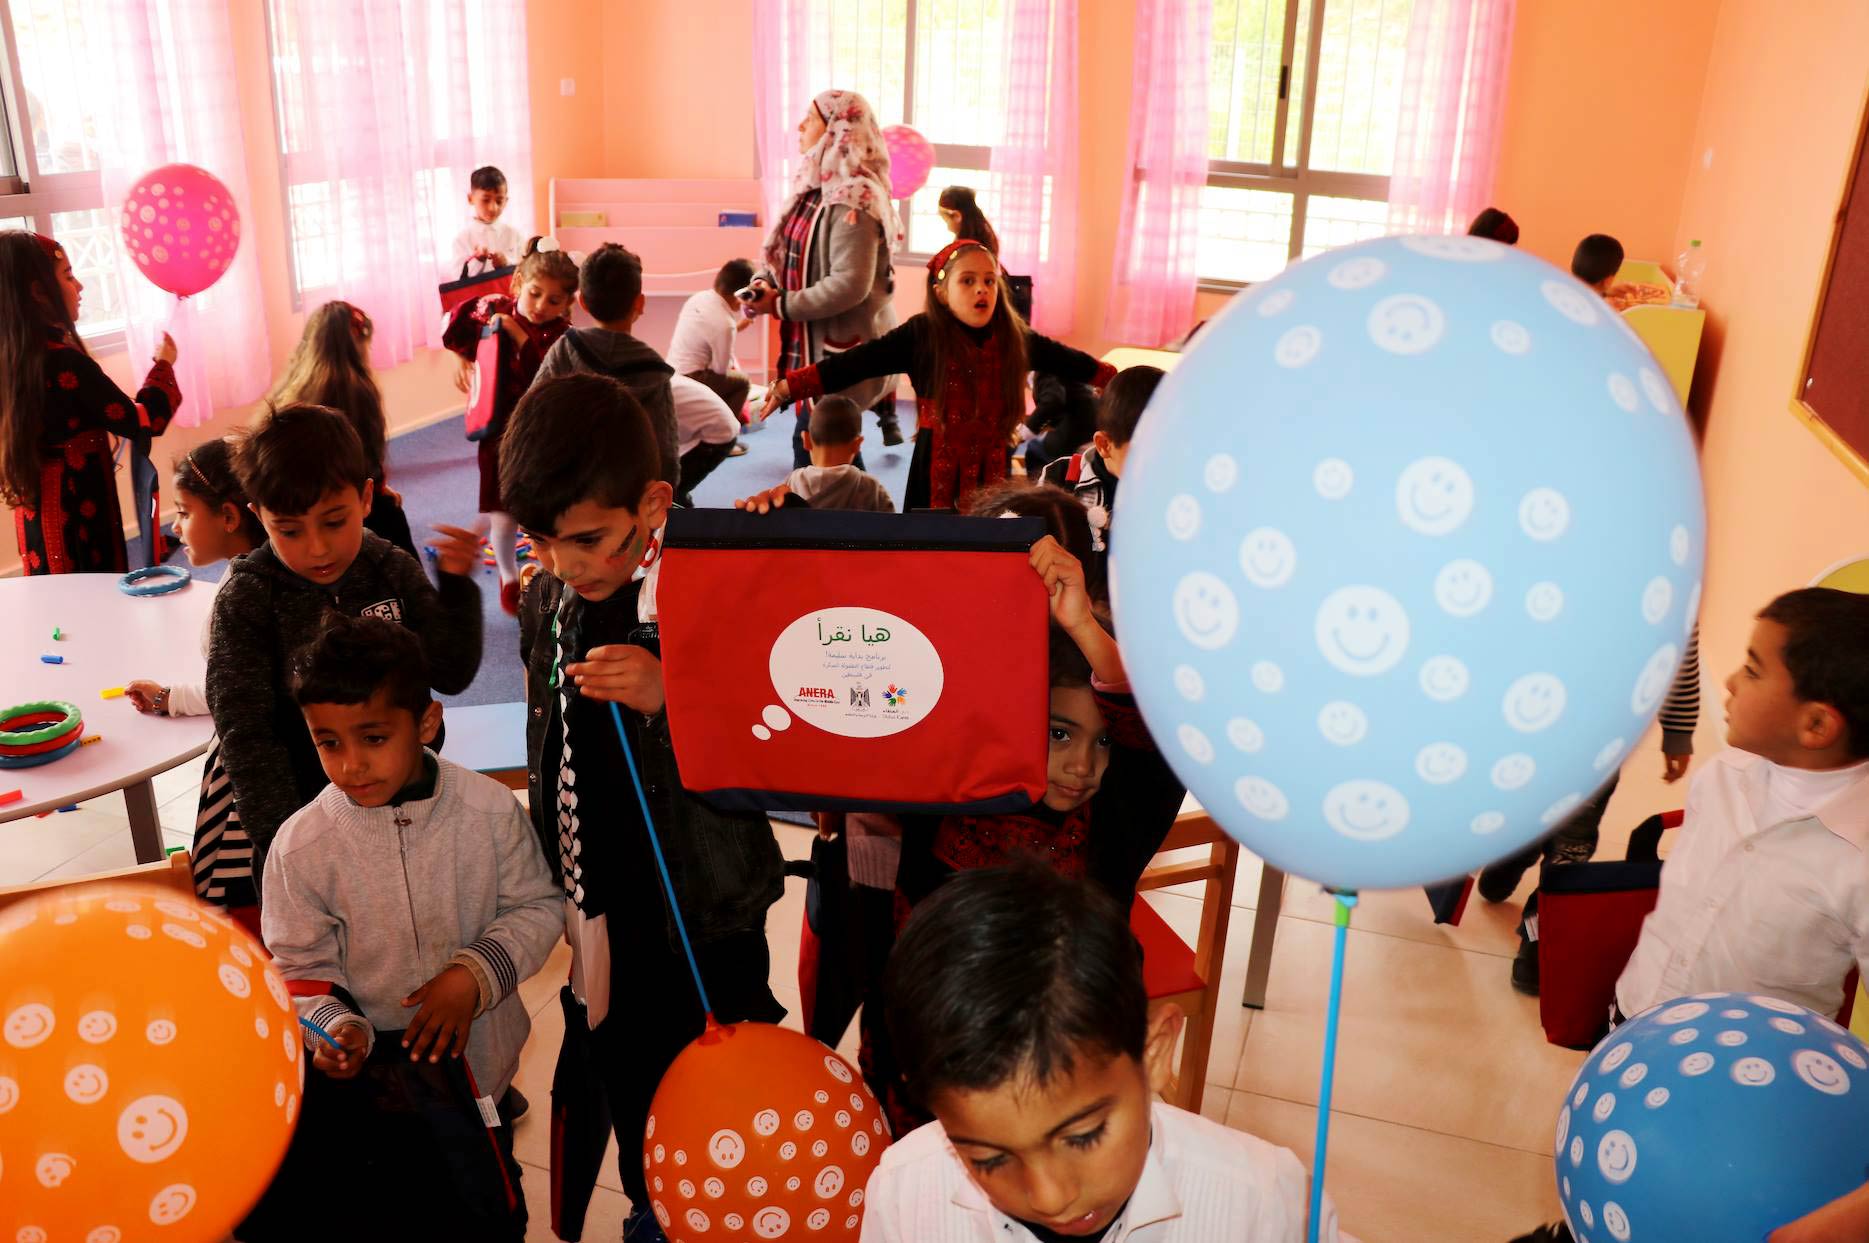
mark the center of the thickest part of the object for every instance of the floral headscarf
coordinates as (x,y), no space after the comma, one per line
(849,165)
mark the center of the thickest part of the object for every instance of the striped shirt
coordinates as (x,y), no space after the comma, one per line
(1680,711)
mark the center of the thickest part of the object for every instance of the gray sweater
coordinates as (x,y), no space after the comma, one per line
(640,369)
(846,295)
(377,901)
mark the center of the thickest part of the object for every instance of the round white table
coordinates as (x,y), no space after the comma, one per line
(110,639)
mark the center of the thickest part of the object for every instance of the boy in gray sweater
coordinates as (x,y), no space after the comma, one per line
(409,899)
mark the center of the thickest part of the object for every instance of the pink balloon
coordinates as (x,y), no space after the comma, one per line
(911,159)
(181,228)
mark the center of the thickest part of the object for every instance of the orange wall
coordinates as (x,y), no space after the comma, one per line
(678,88)
(1601,99)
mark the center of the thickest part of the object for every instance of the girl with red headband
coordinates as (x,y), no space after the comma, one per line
(58,412)
(967,356)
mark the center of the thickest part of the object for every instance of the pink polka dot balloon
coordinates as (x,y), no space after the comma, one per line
(911,159)
(181,228)
(758,1132)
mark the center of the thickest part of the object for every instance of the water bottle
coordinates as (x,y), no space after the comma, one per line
(1690,268)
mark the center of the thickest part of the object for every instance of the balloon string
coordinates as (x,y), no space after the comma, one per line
(1345,901)
(655,843)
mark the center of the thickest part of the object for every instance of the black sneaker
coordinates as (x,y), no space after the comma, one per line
(1498,882)
(514,1104)
(1525,968)
(642,1227)
(892,433)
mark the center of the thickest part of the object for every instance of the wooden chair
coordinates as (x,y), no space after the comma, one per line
(173,872)
(1175,972)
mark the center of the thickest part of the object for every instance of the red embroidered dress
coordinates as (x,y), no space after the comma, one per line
(518,364)
(77,526)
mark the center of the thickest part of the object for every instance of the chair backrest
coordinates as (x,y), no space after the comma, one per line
(174,873)
(1589,917)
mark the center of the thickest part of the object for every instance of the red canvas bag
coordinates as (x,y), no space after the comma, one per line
(483,391)
(824,660)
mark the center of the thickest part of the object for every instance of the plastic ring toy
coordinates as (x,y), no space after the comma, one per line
(43,721)
(52,744)
(155,580)
(33,761)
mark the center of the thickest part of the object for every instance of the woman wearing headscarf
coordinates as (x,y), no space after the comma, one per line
(828,276)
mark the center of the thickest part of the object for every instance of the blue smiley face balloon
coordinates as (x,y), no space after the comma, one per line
(1718,1116)
(1409,551)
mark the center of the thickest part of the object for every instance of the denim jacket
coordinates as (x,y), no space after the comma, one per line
(725,865)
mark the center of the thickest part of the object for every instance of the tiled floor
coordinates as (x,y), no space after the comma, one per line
(1442,1121)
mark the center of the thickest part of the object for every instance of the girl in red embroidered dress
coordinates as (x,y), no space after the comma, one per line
(58,412)
(967,356)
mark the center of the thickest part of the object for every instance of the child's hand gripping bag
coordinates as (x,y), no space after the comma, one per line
(821,660)
(483,393)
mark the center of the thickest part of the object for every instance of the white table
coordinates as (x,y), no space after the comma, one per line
(110,639)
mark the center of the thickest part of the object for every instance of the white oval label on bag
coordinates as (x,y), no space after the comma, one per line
(857,672)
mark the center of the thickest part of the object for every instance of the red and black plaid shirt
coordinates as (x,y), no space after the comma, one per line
(796,231)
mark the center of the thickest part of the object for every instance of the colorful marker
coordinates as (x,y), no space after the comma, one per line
(111,692)
(51,660)
(12,796)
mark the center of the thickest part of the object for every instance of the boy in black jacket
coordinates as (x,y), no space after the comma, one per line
(303,469)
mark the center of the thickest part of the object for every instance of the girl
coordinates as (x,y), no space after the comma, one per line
(331,367)
(964,219)
(533,316)
(213,523)
(58,412)
(967,356)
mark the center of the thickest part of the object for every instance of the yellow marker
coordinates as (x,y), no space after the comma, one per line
(111,692)
(88,739)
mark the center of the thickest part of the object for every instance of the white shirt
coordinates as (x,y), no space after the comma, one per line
(701,417)
(703,338)
(1202,1183)
(191,698)
(477,234)
(1766,890)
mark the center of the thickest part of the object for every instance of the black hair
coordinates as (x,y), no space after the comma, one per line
(487,177)
(610,282)
(1827,653)
(835,420)
(734,275)
(1011,972)
(353,658)
(973,222)
(206,472)
(577,438)
(296,454)
(1597,259)
(1066,521)
(1069,667)
(1493,223)
(1124,401)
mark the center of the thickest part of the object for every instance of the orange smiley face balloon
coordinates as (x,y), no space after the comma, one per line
(758,1132)
(150,1068)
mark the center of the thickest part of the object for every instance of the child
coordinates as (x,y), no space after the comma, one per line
(833,481)
(702,348)
(533,316)
(1596,261)
(578,467)
(1066,520)
(962,215)
(331,367)
(214,523)
(483,243)
(404,905)
(1765,889)
(1092,474)
(58,411)
(967,355)
(305,474)
(1495,224)
(1016,998)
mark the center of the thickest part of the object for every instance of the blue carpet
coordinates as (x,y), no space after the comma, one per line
(435,470)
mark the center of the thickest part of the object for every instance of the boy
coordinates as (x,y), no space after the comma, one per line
(1596,261)
(304,473)
(1766,890)
(1015,996)
(577,468)
(1093,474)
(403,907)
(702,347)
(833,480)
(694,430)
(483,243)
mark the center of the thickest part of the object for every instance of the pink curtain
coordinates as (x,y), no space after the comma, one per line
(387,106)
(1152,286)
(782,88)
(1453,100)
(1040,146)
(167,83)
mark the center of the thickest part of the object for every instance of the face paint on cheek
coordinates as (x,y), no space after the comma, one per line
(627,552)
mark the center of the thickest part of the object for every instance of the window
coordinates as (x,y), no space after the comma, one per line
(936,65)
(1303,102)
(50,180)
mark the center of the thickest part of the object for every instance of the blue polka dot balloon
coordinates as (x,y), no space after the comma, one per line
(1718,1116)
(1409,549)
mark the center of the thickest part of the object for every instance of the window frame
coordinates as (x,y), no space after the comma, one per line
(1299,180)
(36,196)
(974,157)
